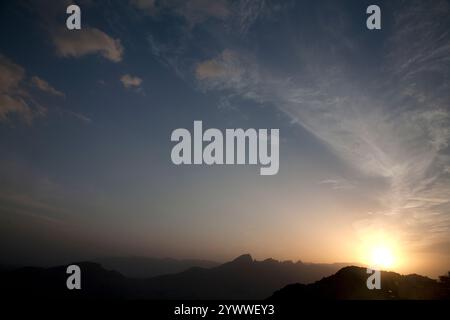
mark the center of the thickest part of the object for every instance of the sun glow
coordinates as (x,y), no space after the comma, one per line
(382,257)
(381,251)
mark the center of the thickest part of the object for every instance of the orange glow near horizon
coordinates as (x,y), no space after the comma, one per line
(381,252)
(382,257)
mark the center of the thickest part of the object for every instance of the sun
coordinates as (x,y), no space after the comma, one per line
(381,251)
(382,257)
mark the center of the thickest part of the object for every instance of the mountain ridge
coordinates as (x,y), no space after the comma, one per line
(240,278)
(349,283)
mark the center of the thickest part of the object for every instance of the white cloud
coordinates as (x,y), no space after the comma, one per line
(12,95)
(224,67)
(130,81)
(16,98)
(45,86)
(87,41)
(14,105)
(11,75)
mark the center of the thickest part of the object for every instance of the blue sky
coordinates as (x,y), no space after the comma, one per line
(86,118)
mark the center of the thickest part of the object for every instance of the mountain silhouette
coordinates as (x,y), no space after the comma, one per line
(349,283)
(242,278)
(43,283)
(144,267)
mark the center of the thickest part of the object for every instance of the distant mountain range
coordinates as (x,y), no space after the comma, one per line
(242,278)
(143,267)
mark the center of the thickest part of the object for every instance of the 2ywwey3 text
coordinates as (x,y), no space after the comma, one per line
(226,309)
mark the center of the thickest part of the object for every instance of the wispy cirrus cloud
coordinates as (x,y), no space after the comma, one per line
(393,124)
(193,11)
(19,98)
(338,184)
(45,86)
(14,97)
(229,18)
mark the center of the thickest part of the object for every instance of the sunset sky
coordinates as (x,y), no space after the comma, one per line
(364,118)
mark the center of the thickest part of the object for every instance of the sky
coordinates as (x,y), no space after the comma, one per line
(86,118)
